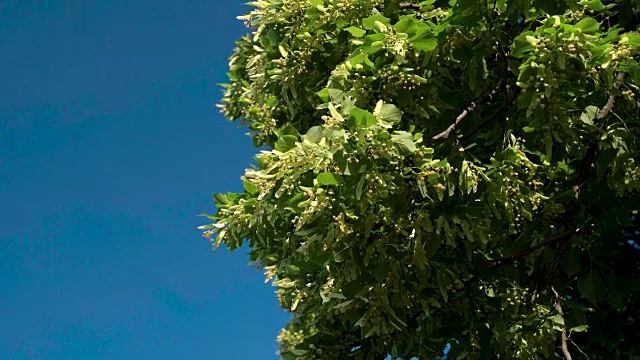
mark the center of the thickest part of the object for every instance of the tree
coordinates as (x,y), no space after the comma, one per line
(455,172)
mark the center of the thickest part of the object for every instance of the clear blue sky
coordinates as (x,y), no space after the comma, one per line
(110,146)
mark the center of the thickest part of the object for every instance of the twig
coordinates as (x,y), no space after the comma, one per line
(558,304)
(577,347)
(408,5)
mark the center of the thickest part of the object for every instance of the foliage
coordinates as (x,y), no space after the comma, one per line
(453,172)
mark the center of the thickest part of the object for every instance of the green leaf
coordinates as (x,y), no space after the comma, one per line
(441,286)
(369,23)
(423,44)
(380,271)
(557,319)
(595,5)
(521,45)
(589,114)
(632,40)
(404,142)
(562,59)
(208,216)
(616,298)
(588,25)
(250,187)
(298,352)
(407,25)
(324,94)
(581,328)
(362,118)
(295,304)
(334,113)
(532,40)
(286,143)
(424,39)
(525,99)
(500,331)
(359,187)
(287,130)
(327,178)
(225,199)
(387,114)
(283,51)
(373,43)
(362,59)
(314,135)
(356,31)
(592,287)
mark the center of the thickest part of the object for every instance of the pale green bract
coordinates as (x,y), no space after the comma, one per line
(458,172)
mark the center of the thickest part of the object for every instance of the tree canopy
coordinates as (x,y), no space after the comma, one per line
(448,173)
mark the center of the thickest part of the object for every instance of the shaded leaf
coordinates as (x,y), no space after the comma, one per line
(592,287)
(551,7)
(571,262)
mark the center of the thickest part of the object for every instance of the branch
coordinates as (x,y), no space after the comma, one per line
(511,95)
(408,5)
(606,109)
(504,261)
(564,346)
(445,134)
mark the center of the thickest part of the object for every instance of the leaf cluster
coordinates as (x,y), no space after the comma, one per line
(460,173)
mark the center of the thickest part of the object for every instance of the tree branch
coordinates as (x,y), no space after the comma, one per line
(558,305)
(606,109)
(583,177)
(511,95)
(504,261)
(445,134)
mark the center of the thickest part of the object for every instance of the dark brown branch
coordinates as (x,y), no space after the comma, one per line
(558,305)
(408,5)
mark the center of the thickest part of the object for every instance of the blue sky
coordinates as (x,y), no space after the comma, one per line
(110,145)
